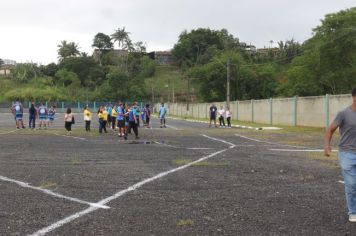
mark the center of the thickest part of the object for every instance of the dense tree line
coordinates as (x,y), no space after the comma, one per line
(326,63)
(77,76)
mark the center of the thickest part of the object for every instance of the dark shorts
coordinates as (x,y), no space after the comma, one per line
(18,117)
(213,117)
(121,123)
(147,120)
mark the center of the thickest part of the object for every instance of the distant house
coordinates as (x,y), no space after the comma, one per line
(5,69)
(250,49)
(162,57)
(267,51)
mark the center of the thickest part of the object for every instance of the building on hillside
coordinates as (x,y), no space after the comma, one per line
(5,69)
(268,51)
(162,57)
(250,49)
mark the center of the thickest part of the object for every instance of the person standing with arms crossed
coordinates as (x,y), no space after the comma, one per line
(346,122)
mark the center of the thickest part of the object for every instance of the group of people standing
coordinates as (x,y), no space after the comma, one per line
(214,112)
(121,118)
(42,113)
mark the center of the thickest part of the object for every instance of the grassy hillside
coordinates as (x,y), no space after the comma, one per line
(162,83)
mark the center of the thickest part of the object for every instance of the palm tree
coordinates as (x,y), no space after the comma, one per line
(73,49)
(66,50)
(121,36)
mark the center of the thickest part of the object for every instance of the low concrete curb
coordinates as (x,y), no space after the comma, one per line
(235,126)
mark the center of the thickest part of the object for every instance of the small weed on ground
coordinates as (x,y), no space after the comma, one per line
(47,185)
(187,222)
(180,162)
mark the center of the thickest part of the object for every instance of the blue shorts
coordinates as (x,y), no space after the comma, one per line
(43,118)
(19,116)
(51,118)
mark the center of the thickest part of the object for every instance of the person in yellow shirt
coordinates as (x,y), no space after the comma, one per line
(113,117)
(87,118)
(103,119)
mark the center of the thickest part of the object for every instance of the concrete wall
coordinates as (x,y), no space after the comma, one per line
(302,111)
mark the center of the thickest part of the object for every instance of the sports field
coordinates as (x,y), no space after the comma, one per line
(182,180)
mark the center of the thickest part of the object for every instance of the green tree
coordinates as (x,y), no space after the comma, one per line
(328,64)
(102,42)
(24,72)
(88,71)
(121,36)
(66,50)
(198,46)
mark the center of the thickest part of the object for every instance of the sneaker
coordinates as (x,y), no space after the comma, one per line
(352,218)
(125,137)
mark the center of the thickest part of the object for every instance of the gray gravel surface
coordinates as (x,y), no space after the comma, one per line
(245,190)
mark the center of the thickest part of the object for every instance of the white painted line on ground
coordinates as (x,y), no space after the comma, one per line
(164,144)
(219,140)
(67,136)
(105,201)
(49,192)
(341,182)
(172,127)
(9,132)
(200,148)
(272,143)
(299,150)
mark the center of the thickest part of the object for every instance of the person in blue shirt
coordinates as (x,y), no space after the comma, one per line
(43,113)
(133,120)
(120,119)
(162,115)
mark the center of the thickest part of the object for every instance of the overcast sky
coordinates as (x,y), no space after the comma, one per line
(32,29)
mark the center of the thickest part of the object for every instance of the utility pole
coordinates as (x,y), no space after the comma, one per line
(228,83)
(188,99)
(173,92)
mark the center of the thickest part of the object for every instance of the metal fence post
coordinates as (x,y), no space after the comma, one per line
(62,106)
(271,111)
(252,112)
(327,111)
(94,106)
(46,103)
(78,106)
(237,110)
(295,103)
